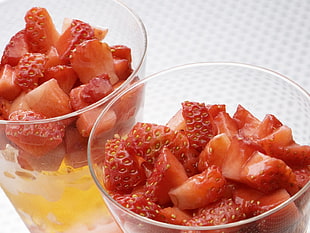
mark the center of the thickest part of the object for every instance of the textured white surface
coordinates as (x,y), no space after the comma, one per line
(273,34)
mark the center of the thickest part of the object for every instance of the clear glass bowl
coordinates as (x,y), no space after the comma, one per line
(259,90)
(64,198)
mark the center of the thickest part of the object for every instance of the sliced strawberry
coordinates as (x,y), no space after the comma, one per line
(5,107)
(201,189)
(214,152)
(29,70)
(36,139)
(177,122)
(97,88)
(224,123)
(48,99)
(246,121)
(52,58)
(268,174)
(147,140)
(121,52)
(138,204)
(8,88)
(86,121)
(268,125)
(40,30)
(280,144)
(15,49)
(75,147)
(173,215)
(302,175)
(199,128)
(122,68)
(76,101)
(92,58)
(77,32)
(187,155)
(122,169)
(222,212)
(168,173)
(19,103)
(65,76)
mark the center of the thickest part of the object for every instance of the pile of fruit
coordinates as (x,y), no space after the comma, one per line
(207,167)
(45,74)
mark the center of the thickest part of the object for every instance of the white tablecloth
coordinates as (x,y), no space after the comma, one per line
(273,34)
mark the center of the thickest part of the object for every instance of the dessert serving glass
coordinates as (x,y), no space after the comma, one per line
(259,90)
(55,191)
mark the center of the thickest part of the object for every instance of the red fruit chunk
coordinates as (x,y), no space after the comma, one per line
(173,215)
(76,33)
(182,150)
(40,30)
(302,175)
(8,89)
(92,58)
(52,58)
(122,68)
(86,121)
(29,70)
(65,76)
(147,140)
(122,169)
(139,204)
(222,212)
(5,107)
(15,49)
(268,125)
(75,147)
(19,104)
(268,174)
(76,101)
(177,122)
(168,173)
(214,152)
(199,128)
(224,123)
(36,139)
(48,99)
(97,88)
(121,52)
(201,189)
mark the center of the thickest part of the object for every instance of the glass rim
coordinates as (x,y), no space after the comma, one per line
(105,194)
(110,96)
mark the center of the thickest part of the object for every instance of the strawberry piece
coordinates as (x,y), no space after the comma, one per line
(121,52)
(168,173)
(302,175)
(52,58)
(177,122)
(122,68)
(247,123)
(19,103)
(173,215)
(65,76)
(201,189)
(15,49)
(182,150)
(97,88)
(280,144)
(8,89)
(76,101)
(76,33)
(147,140)
(224,123)
(92,58)
(222,212)
(122,169)
(199,128)
(268,125)
(29,70)
(40,30)
(268,174)
(138,204)
(46,95)
(37,138)
(5,106)
(214,152)
(86,121)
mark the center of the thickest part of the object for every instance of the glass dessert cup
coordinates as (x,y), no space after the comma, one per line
(259,90)
(55,192)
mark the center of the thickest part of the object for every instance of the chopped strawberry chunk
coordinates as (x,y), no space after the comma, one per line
(5,107)
(173,215)
(15,49)
(40,30)
(29,70)
(37,138)
(201,189)
(122,169)
(8,88)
